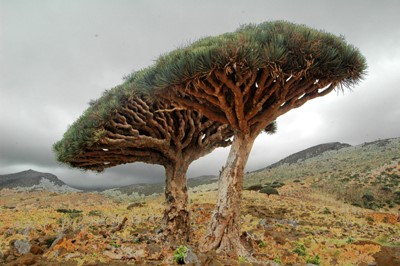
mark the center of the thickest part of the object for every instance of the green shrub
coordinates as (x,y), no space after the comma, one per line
(254,187)
(370,219)
(269,191)
(277,260)
(326,211)
(277,184)
(114,244)
(261,244)
(96,213)
(71,213)
(300,250)
(180,254)
(68,211)
(242,260)
(368,197)
(397,195)
(49,241)
(314,260)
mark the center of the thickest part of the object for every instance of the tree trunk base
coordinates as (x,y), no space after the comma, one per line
(176,220)
(223,233)
(229,246)
(176,227)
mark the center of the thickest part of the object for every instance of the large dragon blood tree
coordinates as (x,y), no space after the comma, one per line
(246,79)
(126,126)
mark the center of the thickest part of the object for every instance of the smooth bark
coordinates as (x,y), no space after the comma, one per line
(224,230)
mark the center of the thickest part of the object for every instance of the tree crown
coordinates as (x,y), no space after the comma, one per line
(280,45)
(126,126)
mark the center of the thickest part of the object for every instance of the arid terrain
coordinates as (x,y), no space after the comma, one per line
(294,229)
(339,207)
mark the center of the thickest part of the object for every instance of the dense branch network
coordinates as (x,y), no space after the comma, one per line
(152,132)
(248,99)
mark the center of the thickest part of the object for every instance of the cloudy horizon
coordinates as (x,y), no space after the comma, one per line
(56,56)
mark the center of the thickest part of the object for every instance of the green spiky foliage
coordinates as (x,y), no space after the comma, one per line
(283,46)
(88,129)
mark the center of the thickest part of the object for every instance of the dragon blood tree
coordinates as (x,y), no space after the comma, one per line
(246,79)
(125,126)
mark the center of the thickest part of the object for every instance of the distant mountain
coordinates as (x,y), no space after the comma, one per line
(32,180)
(202,180)
(308,153)
(158,188)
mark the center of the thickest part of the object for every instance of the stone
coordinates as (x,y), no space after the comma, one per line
(9,258)
(191,258)
(26,259)
(22,247)
(36,250)
(154,251)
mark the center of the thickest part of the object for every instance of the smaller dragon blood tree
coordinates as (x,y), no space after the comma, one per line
(126,126)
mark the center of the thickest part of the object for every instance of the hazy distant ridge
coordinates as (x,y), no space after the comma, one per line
(308,153)
(33,180)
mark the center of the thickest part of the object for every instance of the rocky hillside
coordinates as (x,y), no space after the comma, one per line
(32,180)
(366,175)
(311,152)
(346,171)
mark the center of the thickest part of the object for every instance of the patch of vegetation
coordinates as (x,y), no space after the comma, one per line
(269,191)
(72,213)
(314,260)
(326,211)
(262,244)
(300,250)
(180,254)
(277,184)
(114,244)
(97,213)
(254,187)
(368,201)
(49,241)
(242,260)
(68,211)
(385,241)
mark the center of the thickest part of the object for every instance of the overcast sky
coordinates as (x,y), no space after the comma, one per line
(55,56)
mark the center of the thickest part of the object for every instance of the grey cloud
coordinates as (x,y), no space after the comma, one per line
(57,55)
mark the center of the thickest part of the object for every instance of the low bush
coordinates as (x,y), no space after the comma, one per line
(269,191)
(180,254)
(254,187)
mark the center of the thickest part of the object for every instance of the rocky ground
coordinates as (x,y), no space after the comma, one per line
(297,227)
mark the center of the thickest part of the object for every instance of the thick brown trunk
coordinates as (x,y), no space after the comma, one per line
(176,221)
(224,229)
